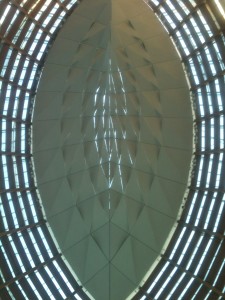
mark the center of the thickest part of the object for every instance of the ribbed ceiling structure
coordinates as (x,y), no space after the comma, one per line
(32,266)
(112,143)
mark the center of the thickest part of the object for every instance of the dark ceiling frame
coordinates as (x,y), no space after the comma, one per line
(15,154)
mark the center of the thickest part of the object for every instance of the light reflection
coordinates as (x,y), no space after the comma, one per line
(220,7)
(17,102)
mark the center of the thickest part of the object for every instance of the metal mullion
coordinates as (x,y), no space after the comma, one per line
(16,24)
(207,134)
(169,249)
(50,283)
(37,23)
(212,87)
(220,40)
(53,20)
(27,206)
(16,292)
(18,211)
(12,101)
(209,18)
(26,78)
(214,10)
(8,213)
(77,288)
(15,85)
(162,279)
(206,62)
(22,36)
(16,120)
(47,11)
(27,137)
(203,174)
(196,205)
(21,229)
(4,292)
(21,250)
(187,4)
(9,166)
(38,286)
(50,243)
(197,67)
(220,280)
(31,245)
(3,5)
(199,279)
(212,189)
(15,190)
(28,5)
(217,133)
(3,53)
(27,288)
(209,80)
(7,21)
(32,38)
(189,293)
(199,152)
(171,14)
(16,154)
(173,283)
(47,235)
(214,170)
(203,126)
(222,88)
(20,67)
(202,92)
(179,9)
(201,46)
(216,265)
(214,58)
(187,273)
(10,64)
(185,57)
(17,48)
(182,245)
(213,115)
(39,45)
(20,170)
(221,224)
(82,294)
(188,42)
(143,289)
(59,279)
(172,32)
(12,259)
(10,172)
(202,292)
(69,276)
(31,270)
(195,262)
(63,5)
(201,230)
(214,55)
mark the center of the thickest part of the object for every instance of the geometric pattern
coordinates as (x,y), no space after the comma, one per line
(112,143)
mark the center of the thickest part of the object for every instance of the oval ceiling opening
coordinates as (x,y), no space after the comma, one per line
(112,143)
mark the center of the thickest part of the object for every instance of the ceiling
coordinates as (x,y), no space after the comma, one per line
(32,264)
(112,143)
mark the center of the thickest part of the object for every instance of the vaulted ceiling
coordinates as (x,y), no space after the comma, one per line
(106,135)
(112,143)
